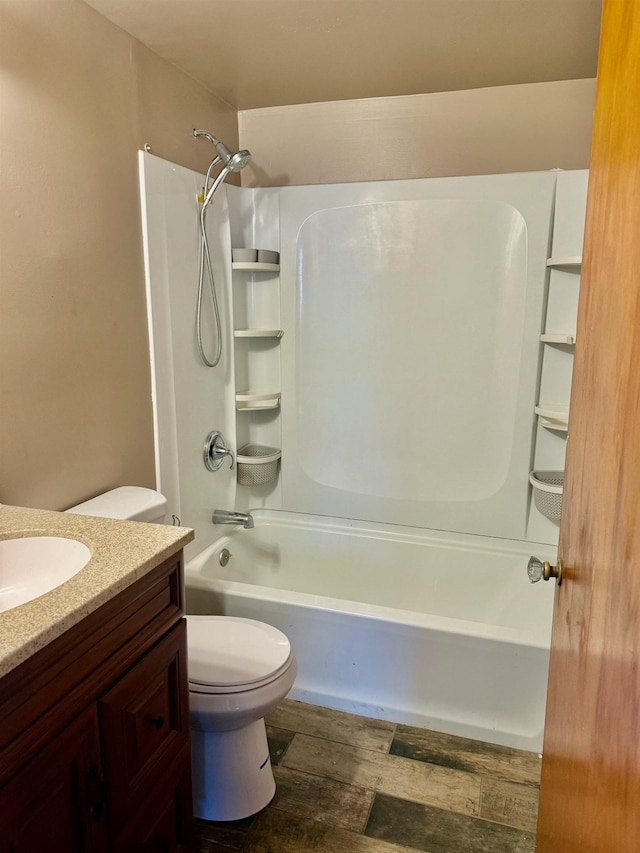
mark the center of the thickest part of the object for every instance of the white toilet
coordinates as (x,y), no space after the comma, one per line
(239,669)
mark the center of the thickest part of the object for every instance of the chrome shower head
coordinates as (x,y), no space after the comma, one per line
(239,160)
(233,162)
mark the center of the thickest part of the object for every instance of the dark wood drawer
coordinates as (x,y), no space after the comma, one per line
(144,721)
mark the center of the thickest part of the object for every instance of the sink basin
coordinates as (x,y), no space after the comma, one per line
(33,565)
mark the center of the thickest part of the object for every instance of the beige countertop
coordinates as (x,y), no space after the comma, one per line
(121,553)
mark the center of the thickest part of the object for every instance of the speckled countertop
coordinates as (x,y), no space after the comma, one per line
(121,553)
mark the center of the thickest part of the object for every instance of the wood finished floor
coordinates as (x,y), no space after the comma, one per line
(348,784)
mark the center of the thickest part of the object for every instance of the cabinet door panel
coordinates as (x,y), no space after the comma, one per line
(144,722)
(164,821)
(56,802)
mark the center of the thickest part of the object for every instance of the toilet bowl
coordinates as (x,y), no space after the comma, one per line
(239,669)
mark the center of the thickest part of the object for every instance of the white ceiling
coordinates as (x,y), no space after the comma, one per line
(263,53)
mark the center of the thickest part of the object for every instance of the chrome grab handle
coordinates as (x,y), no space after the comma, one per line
(215,450)
(538,571)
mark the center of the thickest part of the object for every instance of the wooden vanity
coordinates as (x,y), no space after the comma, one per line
(94,725)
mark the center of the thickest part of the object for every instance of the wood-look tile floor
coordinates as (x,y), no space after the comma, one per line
(348,784)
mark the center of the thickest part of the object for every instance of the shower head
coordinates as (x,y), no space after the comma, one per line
(239,160)
(233,162)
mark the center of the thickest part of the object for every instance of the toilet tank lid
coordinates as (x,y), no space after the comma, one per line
(135,503)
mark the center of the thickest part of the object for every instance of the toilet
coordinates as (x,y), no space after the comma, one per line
(239,670)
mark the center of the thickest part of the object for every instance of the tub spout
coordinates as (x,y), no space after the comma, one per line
(223,516)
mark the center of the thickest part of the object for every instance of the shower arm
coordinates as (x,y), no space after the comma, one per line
(212,139)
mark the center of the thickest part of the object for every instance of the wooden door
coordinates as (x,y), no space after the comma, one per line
(590,794)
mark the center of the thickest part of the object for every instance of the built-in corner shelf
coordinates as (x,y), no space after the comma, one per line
(257,361)
(552,416)
(252,401)
(566,338)
(569,263)
(255,266)
(556,352)
(258,333)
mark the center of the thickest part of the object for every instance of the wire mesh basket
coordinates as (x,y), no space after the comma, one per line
(547,493)
(257,464)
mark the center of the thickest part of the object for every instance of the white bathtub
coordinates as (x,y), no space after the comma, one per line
(429,629)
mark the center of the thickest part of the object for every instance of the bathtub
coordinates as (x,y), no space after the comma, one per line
(418,627)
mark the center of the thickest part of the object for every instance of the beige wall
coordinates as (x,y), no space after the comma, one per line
(78,98)
(530,127)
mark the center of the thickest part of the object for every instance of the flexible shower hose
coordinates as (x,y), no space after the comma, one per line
(205,260)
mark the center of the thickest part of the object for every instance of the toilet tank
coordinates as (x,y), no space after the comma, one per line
(134,503)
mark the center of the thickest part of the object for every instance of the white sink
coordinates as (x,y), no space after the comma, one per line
(33,565)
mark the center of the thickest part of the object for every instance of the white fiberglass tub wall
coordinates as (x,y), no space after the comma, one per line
(189,399)
(392,622)
(412,313)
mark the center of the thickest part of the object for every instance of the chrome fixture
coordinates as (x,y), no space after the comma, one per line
(231,163)
(215,450)
(538,571)
(224,516)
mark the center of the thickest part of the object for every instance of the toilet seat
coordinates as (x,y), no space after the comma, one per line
(229,654)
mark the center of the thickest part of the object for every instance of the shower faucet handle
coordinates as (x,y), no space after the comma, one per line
(215,450)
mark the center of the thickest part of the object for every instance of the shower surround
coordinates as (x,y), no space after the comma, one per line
(408,372)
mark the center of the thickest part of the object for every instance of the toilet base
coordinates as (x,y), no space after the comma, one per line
(232,776)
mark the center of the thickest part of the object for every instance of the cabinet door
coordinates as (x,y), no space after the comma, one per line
(56,802)
(144,720)
(163,823)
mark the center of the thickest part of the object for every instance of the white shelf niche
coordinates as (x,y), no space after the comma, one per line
(553,416)
(565,338)
(256,401)
(570,263)
(258,333)
(254,266)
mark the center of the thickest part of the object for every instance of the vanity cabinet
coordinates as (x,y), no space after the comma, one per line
(94,731)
